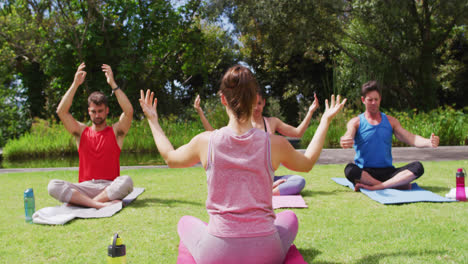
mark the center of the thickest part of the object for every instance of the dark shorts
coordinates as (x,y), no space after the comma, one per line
(353,172)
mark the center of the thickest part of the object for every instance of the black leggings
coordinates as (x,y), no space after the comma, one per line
(353,172)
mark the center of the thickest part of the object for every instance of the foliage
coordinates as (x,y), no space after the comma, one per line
(273,108)
(336,129)
(416,49)
(149,44)
(214,111)
(284,43)
(14,116)
(43,140)
(52,140)
(449,124)
(340,226)
(405,46)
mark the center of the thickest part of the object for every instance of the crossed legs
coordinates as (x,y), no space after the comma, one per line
(288,184)
(383,178)
(101,200)
(95,194)
(206,248)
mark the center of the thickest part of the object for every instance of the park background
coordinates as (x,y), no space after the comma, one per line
(418,51)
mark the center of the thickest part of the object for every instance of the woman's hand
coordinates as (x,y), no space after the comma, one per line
(334,108)
(314,104)
(148,105)
(196,104)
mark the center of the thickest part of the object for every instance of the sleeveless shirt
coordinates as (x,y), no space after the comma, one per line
(373,143)
(239,178)
(99,155)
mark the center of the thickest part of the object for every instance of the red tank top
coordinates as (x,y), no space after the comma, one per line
(99,155)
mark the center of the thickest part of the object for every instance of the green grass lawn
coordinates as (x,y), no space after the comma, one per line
(340,226)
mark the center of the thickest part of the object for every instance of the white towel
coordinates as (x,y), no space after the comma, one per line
(61,214)
(453,193)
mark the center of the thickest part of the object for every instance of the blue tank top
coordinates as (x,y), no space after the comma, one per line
(373,143)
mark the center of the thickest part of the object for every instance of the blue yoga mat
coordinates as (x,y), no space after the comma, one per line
(394,196)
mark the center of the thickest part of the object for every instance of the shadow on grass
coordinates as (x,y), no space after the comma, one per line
(310,193)
(145,202)
(435,189)
(311,253)
(376,258)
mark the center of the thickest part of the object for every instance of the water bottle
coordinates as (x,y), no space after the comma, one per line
(461,195)
(29,205)
(116,251)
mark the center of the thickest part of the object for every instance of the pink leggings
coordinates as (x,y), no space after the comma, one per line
(206,248)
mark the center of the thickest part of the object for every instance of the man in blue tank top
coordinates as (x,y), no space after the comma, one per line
(370,134)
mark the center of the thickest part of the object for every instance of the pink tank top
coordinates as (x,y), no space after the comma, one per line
(99,155)
(240,177)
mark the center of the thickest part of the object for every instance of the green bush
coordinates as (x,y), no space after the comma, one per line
(47,139)
(52,140)
(214,111)
(43,140)
(335,131)
(179,132)
(449,124)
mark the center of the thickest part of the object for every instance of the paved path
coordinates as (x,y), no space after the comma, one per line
(333,156)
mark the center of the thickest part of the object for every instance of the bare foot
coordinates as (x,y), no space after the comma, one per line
(358,186)
(275,186)
(276,191)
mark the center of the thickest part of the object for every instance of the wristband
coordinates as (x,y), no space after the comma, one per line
(114,89)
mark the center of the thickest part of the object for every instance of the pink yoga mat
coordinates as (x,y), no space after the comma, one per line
(292,257)
(288,201)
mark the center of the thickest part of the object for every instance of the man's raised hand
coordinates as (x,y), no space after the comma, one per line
(80,75)
(109,75)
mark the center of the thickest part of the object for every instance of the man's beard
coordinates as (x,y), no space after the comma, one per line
(98,121)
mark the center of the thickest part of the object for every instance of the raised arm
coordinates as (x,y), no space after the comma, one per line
(347,140)
(199,110)
(290,131)
(283,152)
(185,156)
(125,121)
(63,109)
(410,138)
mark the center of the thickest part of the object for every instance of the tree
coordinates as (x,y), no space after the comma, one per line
(14,114)
(296,47)
(400,43)
(149,44)
(284,43)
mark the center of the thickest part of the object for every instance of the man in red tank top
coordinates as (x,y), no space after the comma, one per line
(99,147)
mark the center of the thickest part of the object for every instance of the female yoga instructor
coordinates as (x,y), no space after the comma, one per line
(239,162)
(285,184)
